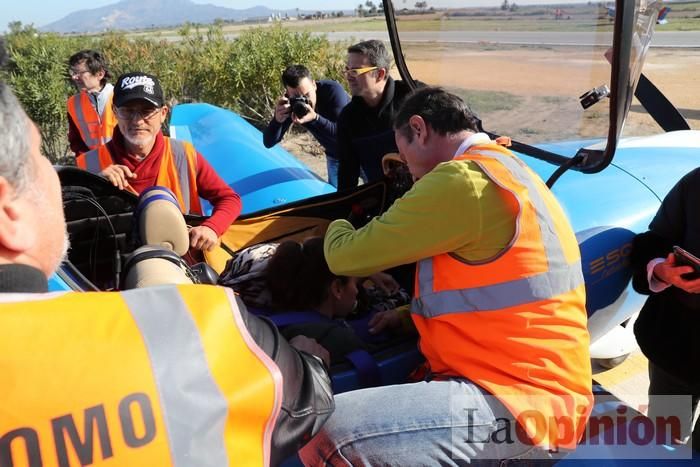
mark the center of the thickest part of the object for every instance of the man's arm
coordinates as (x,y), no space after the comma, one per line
(348,164)
(275,131)
(665,230)
(226,202)
(77,145)
(307,399)
(440,214)
(334,101)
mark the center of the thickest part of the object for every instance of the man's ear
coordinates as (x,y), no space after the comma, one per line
(418,128)
(336,288)
(15,232)
(382,74)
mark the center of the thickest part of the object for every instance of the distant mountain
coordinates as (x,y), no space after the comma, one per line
(138,14)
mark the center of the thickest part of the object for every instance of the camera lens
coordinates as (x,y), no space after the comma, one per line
(299,109)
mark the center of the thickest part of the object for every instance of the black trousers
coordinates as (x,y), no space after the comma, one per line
(662,383)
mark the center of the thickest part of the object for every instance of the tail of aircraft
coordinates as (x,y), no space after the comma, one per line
(661,19)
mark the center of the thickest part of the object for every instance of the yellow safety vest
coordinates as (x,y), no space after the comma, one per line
(178,170)
(151,377)
(514,324)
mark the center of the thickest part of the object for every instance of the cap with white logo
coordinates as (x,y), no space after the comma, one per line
(137,85)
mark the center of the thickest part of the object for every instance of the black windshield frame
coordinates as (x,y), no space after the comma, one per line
(585,160)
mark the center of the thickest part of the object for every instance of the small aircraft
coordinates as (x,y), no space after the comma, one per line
(660,19)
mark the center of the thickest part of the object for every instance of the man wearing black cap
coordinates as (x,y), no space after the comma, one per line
(139,156)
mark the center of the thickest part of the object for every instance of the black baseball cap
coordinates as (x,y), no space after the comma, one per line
(137,85)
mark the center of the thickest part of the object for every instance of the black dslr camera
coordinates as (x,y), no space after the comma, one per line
(298,107)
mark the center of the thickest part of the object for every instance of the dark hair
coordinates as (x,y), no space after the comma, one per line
(298,277)
(293,74)
(94,61)
(445,112)
(374,50)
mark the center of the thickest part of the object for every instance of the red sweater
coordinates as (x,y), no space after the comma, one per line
(225,202)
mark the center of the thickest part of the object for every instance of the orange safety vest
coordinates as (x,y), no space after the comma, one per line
(160,376)
(95,129)
(178,170)
(514,324)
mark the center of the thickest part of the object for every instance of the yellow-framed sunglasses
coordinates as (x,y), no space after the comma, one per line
(359,71)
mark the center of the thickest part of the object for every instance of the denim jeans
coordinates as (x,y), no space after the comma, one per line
(420,424)
(332,168)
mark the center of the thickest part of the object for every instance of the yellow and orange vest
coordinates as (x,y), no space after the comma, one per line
(151,377)
(514,324)
(95,129)
(178,170)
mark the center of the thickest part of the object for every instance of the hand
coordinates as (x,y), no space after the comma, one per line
(309,117)
(310,346)
(203,238)
(119,175)
(671,274)
(385,282)
(388,319)
(282,110)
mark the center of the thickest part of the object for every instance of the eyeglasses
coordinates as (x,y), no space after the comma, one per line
(73,73)
(126,113)
(359,71)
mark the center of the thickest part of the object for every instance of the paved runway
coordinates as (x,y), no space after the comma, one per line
(690,39)
(629,381)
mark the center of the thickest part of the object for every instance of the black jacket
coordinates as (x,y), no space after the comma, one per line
(331,98)
(667,327)
(365,135)
(307,396)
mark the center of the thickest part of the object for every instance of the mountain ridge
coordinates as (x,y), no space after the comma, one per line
(142,14)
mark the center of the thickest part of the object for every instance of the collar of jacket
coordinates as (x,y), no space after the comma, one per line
(22,278)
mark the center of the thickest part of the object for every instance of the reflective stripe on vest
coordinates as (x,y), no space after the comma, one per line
(180,159)
(195,410)
(95,129)
(160,376)
(559,278)
(95,160)
(178,171)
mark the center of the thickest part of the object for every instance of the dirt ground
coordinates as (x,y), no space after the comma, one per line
(534,96)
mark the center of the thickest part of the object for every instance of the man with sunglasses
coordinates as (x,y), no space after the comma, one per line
(365,132)
(315,105)
(90,118)
(139,156)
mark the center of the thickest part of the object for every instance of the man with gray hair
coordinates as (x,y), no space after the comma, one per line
(150,358)
(365,132)
(31,218)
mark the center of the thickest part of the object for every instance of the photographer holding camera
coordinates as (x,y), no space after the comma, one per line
(315,105)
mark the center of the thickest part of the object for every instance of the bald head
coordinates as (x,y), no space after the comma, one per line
(14,140)
(31,208)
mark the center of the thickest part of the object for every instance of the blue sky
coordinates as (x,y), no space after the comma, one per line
(41,12)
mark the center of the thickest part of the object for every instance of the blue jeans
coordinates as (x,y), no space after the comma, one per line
(332,168)
(426,423)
